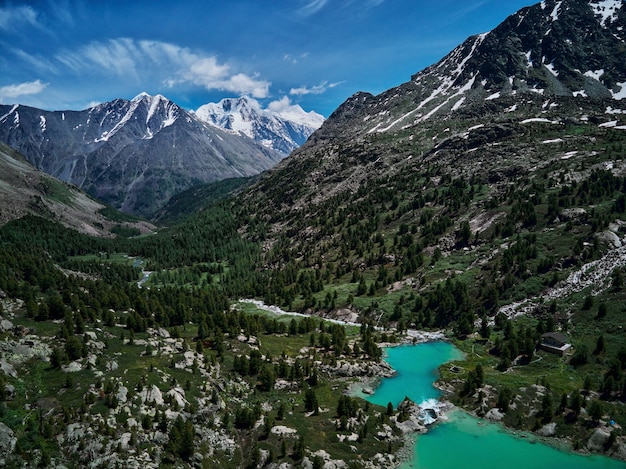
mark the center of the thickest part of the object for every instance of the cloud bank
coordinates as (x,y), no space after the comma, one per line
(164,62)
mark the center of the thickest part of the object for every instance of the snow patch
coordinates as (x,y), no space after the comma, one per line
(133,107)
(479,126)
(606,10)
(42,123)
(458,104)
(621,94)
(608,125)
(529,62)
(154,105)
(613,125)
(580,93)
(595,74)
(556,140)
(555,13)
(610,110)
(539,120)
(493,96)
(15,106)
(447,83)
(140,97)
(552,70)
(569,155)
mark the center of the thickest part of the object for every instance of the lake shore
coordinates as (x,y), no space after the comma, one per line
(457,423)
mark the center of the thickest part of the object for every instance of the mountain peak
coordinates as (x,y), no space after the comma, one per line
(282,126)
(141,96)
(566,48)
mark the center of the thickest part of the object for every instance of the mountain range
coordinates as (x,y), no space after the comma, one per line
(546,62)
(135,155)
(553,49)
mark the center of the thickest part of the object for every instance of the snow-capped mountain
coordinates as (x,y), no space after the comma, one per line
(282,127)
(555,62)
(132,154)
(568,48)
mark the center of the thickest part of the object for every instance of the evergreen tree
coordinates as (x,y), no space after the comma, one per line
(310,401)
(267,378)
(181,439)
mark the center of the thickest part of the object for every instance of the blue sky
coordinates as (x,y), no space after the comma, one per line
(71,54)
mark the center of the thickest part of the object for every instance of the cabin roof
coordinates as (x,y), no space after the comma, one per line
(562,338)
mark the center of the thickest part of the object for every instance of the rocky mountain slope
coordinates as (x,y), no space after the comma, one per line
(282,130)
(24,190)
(133,155)
(553,49)
(555,62)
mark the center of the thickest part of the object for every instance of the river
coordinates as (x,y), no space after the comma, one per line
(462,441)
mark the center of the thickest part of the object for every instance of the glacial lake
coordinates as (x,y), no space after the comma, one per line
(463,441)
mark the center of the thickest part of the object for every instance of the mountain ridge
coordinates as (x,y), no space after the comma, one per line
(534,50)
(132,154)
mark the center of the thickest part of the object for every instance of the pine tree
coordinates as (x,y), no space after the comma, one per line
(310,401)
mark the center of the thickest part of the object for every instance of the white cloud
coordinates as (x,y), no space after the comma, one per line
(295,59)
(212,75)
(312,7)
(42,64)
(13,17)
(294,112)
(317,89)
(126,57)
(21,89)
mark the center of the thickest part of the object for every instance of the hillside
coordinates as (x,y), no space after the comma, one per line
(485,196)
(27,191)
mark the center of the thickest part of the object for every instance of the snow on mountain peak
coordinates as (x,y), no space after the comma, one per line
(282,126)
(295,113)
(141,96)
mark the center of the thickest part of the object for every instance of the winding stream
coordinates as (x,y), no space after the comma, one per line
(462,441)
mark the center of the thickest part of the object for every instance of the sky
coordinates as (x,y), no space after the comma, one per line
(73,54)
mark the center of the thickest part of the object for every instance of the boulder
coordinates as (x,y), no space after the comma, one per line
(5,325)
(598,439)
(548,430)
(610,238)
(7,440)
(494,415)
(8,369)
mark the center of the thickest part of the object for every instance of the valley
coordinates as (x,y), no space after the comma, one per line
(229,321)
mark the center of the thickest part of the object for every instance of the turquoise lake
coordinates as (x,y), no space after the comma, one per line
(463,441)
